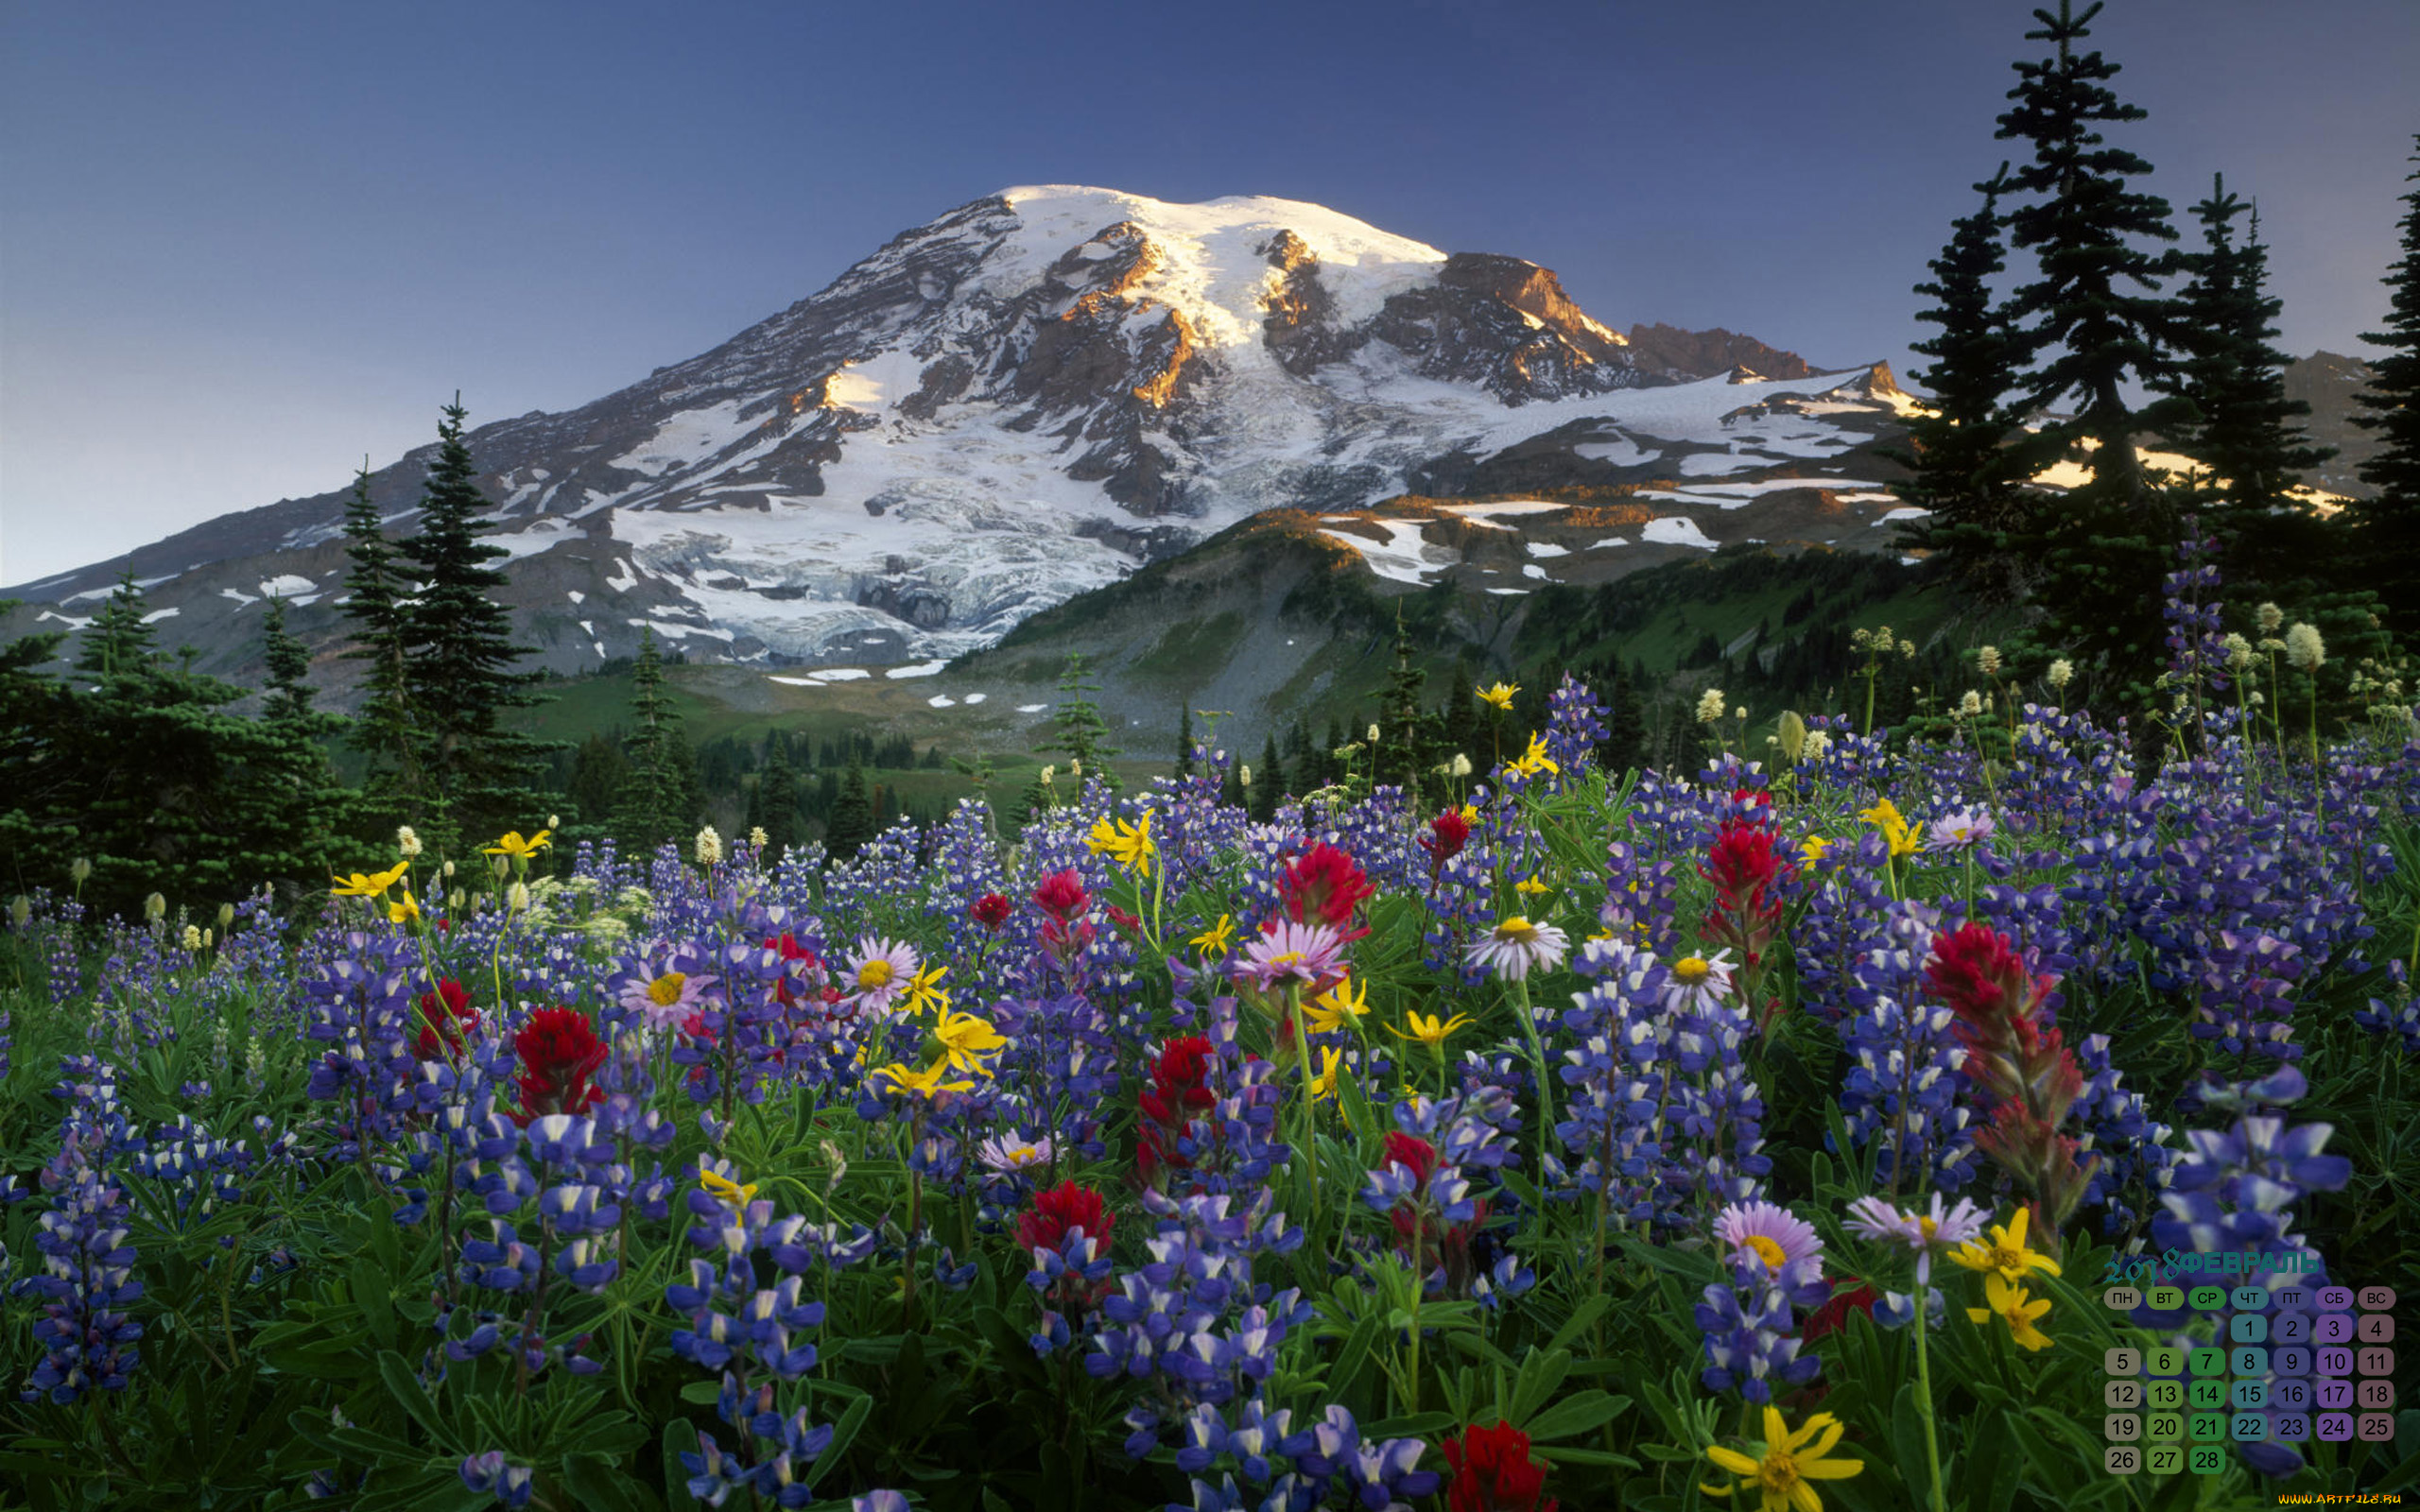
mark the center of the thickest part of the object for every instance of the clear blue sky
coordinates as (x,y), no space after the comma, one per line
(241,245)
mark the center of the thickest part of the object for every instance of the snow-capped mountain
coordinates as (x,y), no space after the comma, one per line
(1026,398)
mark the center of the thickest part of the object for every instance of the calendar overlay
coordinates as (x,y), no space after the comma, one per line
(2294,1360)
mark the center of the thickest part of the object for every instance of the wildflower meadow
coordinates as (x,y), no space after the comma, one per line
(1764,1135)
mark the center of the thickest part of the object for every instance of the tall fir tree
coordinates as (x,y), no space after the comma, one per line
(1958,449)
(1083,734)
(2386,527)
(38,761)
(2091,325)
(2244,427)
(297,765)
(1185,739)
(1403,752)
(119,641)
(460,654)
(853,821)
(660,794)
(777,795)
(145,773)
(1268,780)
(375,592)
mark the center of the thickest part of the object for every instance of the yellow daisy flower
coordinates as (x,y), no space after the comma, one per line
(1884,816)
(725,1191)
(1339,1007)
(406,911)
(2007,1252)
(1130,845)
(518,848)
(1432,1030)
(1536,760)
(924,1081)
(2010,1304)
(924,989)
(967,1040)
(1213,942)
(373,886)
(1811,849)
(1323,1085)
(1499,695)
(1786,1464)
(1531,887)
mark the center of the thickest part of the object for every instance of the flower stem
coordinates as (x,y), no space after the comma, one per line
(1537,1064)
(1924,1396)
(1308,1119)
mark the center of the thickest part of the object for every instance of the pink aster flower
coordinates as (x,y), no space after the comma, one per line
(1960,829)
(1767,1232)
(1874,1219)
(880,974)
(1696,983)
(1515,946)
(1286,951)
(663,1002)
(1012,1152)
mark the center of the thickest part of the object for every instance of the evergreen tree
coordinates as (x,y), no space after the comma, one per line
(1083,734)
(662,796)
(1268,781)
(853,819)
(2090,325)
(1185,739)
(2386,529)
(459,642)
(314,803)
(599,769)
(1402,755)
(1626,743)
(777,795)
(143,772)
(119,641)
(2244,427)
(374,594)
(1959,444)
(37,763)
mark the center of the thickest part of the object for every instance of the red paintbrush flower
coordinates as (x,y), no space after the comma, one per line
(991,910)
(1179,1089)
(1447,834)
(1492,1472)
(1067,1206)
(792,951)
(2023,1076)
(1324,886)
(1062,895)
(1834,1314)
(448,1022)
(559,1050)
(1412,1153)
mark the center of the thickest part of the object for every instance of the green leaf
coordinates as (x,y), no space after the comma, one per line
(409,1394)
(375,1300)
(1583,1412)
(680,1437)
(596,1483)
(1989,1470)
(1582,1319)
(1908,1442)
(844,1433)
(1540,1375)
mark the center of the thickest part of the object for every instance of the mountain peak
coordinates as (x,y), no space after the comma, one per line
(1027,397)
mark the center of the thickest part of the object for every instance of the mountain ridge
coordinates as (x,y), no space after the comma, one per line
(1029,396)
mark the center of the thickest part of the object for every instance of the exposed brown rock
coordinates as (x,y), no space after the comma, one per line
(1675,352)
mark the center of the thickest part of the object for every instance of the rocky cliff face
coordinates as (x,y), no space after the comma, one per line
(1022,399)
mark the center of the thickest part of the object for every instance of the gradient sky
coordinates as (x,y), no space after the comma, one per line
(243,245)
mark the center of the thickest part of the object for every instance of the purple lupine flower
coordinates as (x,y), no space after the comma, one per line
(510,1483)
